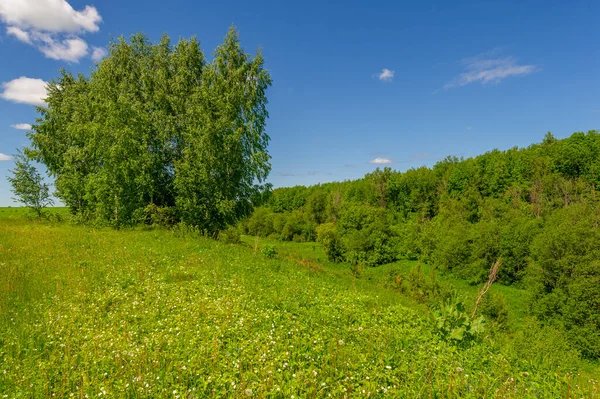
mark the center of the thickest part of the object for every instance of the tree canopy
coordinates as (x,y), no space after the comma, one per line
(159,126)
(28,185)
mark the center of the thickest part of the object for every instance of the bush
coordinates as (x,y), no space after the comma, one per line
(495,308)
(327,235)
(159,215)
(408,232)
(231,235)
(184,230)
(269,251)
(365,235)
(452,250)
(536,346)
(260,223)
(424,289)
(453,324)
(297,225)
(516,236)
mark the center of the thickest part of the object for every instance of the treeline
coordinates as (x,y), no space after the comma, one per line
(157,133)
(537,209)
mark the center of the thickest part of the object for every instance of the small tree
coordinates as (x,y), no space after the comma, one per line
(28,185)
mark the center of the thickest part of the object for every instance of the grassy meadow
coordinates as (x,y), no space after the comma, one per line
(91,312)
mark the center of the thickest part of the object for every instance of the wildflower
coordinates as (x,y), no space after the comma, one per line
(388,367)
(459,369)
(341,342)
(248,392)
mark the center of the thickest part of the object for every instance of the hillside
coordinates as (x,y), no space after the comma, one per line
(536,210)
(146,313)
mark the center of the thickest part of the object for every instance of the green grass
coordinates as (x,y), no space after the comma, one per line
(153,313)
(383,277)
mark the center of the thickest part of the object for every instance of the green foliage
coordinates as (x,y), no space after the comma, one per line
(566,275)
(365,235)
(158,215)
(516,235)
(28,185)
(230,235)
(288,199)
(260,223)
(495,308)
(454,324)
(270,251)
(146,312)
(327,235)
(419,286)
(413,192)
(156,124)
(537,347)
(286,226)
(316,206)
(150,312)
(297,227)
(536,208)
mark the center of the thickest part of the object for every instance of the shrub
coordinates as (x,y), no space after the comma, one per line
(494,307)
(158,215)
(269,251)
(260,223)
(536,346)
(327,235)
(452,250)
(453,324)
(423,288)
(366,236)
(231,235)
(516,236)
(297,224)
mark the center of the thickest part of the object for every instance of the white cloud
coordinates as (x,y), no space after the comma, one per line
(20,34)
(4,157)
(22,126)
(488,68)
(49,15)
(68,50)
(52,26)
(468,127)
(381,161)
(25,90)
(386,75)
(99,53)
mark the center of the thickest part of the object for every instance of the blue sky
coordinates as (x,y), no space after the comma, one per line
(356,85)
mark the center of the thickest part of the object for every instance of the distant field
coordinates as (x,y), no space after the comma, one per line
(152,313)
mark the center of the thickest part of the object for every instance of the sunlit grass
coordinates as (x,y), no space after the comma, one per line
(149,313)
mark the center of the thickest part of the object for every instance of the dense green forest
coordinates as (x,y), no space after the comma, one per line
(535,209)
